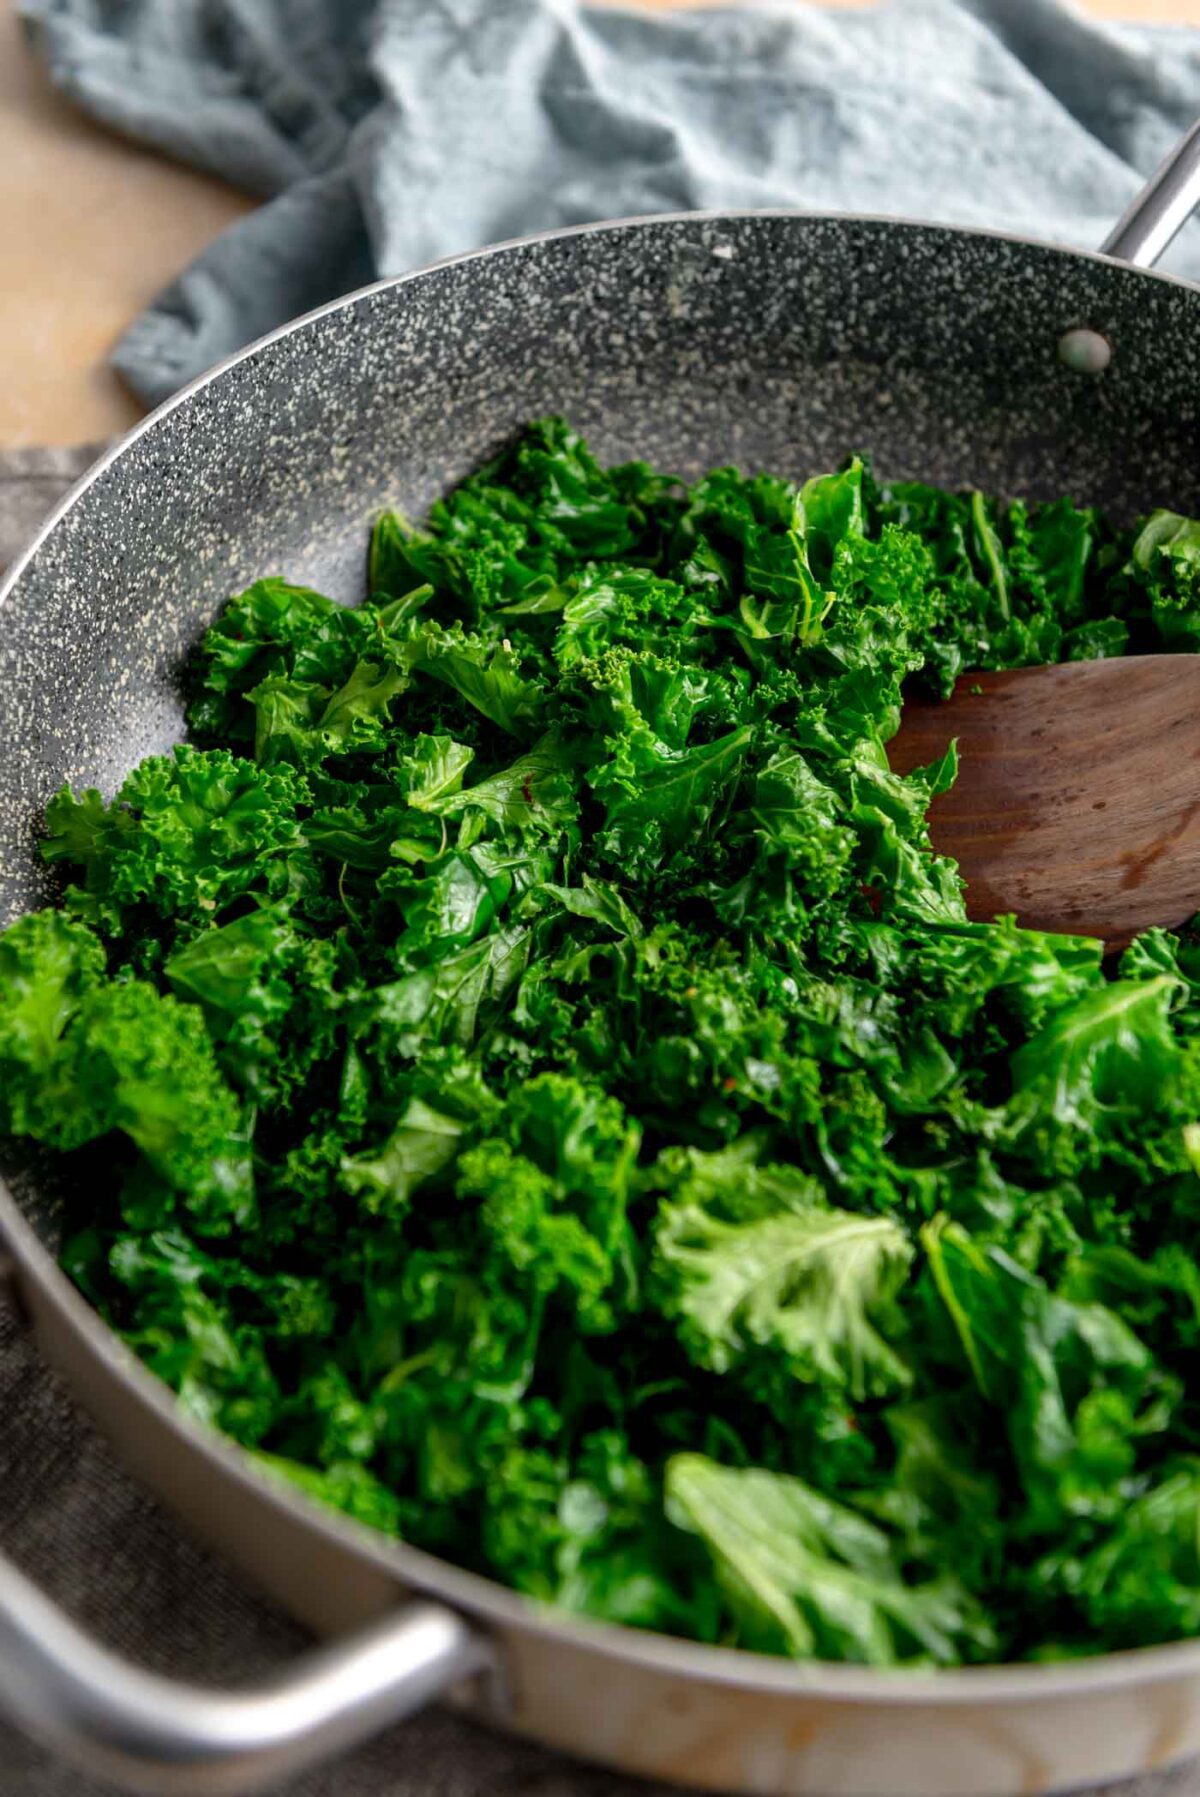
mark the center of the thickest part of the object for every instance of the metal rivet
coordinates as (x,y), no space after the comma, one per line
(1084,350)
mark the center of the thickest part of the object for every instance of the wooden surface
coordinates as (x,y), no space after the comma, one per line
(94,227)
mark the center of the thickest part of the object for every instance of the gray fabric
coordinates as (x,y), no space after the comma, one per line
(386,133)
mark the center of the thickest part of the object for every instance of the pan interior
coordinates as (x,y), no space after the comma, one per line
(774,341)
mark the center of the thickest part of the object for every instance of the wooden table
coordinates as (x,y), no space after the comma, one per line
(94,227)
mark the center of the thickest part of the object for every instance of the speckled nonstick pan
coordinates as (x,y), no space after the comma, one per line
(773,340)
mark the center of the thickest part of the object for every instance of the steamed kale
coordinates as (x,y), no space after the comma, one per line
(523,1072)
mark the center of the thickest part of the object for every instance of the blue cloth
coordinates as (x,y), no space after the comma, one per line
(385,133)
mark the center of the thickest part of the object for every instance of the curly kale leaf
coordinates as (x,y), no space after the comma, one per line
(810,1577)
(808,1283)
(91,1059)
(186,836)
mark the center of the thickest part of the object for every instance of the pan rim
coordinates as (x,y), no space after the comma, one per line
(634,222)
(424,1573)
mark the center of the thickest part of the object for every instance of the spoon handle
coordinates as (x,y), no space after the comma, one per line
(1164,205)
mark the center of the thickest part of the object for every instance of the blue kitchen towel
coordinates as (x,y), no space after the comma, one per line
(383,134)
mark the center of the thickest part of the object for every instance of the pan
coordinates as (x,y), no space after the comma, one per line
(774,340)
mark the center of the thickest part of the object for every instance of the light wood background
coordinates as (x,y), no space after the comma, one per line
(92,227)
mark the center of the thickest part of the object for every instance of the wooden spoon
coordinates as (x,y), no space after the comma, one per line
(1077,804)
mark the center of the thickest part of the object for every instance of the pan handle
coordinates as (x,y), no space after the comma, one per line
(1142,233)
(150,1734)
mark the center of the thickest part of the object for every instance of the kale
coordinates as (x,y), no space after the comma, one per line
(522,1071)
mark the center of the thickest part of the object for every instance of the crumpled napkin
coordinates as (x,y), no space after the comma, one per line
(387,133)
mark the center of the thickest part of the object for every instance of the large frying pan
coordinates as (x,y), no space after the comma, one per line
(770,339)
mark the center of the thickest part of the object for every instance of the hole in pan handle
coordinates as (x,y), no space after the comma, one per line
(147,1733)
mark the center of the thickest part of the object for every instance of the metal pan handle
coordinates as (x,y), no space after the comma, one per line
(146,1733)
(1144,230)
(168,1738)
(176,1740)
(150,1734)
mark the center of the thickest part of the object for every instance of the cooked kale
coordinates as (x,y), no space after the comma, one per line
(525,1075)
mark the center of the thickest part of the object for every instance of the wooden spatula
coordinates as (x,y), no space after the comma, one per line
(1077,804)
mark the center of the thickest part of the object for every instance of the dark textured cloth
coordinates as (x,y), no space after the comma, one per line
(72,1519)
